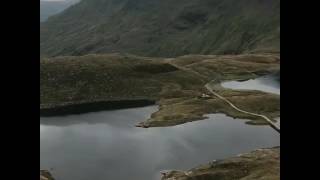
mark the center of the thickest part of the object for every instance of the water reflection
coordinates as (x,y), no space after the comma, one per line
(106,145)
(267,83)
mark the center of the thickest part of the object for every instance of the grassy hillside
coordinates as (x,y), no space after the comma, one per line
(163,28)
(176,85)
(104,77)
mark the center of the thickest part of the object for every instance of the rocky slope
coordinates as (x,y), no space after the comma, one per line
(45,175)
(163,28)
(261,164)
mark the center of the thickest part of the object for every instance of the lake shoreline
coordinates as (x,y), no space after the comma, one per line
(45,175)
(243,166)
(95,106)
(176,85)
(110,136)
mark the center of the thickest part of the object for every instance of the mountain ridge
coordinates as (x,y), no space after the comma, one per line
(163,28)
(50,8)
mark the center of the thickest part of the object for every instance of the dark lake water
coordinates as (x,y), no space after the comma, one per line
(266,83)
(106,145)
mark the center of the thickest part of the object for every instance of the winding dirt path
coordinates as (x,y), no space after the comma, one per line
(208,87)
(273,125)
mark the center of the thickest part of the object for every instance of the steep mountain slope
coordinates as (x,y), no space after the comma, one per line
(163,28)
(49,8)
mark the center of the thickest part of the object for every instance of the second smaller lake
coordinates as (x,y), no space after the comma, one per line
(267,83)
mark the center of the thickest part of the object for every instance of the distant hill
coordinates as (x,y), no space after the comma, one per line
(163,28)
(49,8)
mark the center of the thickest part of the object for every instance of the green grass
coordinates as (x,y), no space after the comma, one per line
(66,81)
